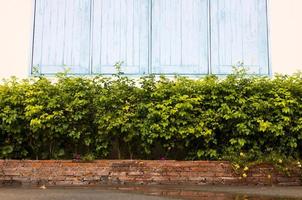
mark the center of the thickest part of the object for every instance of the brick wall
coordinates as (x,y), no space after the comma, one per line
(138,172)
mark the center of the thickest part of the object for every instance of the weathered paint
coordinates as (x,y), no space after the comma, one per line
(239,34)
(180,36)
(119,30)
(62,36)
(120,34)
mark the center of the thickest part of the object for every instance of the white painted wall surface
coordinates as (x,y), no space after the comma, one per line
(16,29)
(15,35)
(286,35)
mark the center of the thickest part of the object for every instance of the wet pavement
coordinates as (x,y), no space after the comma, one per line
(152,193)
(70,194)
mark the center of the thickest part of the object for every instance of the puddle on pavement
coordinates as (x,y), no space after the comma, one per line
(187,194)
(169,192)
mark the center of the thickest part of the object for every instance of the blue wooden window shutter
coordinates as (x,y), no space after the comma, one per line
(239,34)
(180,36)
(120,33)
(62,35)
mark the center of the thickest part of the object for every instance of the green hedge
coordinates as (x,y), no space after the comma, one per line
(151,118)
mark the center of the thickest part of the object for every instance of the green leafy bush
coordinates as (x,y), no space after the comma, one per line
(152,118)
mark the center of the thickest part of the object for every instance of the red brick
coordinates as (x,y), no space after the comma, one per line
(139,172)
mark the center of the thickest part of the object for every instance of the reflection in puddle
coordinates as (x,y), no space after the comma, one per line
(192,195)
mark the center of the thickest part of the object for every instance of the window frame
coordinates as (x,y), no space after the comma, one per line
(91,73)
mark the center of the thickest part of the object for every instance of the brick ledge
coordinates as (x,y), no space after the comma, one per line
(67,172)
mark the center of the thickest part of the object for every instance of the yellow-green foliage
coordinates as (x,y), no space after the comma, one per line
(181,118)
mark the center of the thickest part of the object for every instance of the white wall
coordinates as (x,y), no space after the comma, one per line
(286,35)
(16,24)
